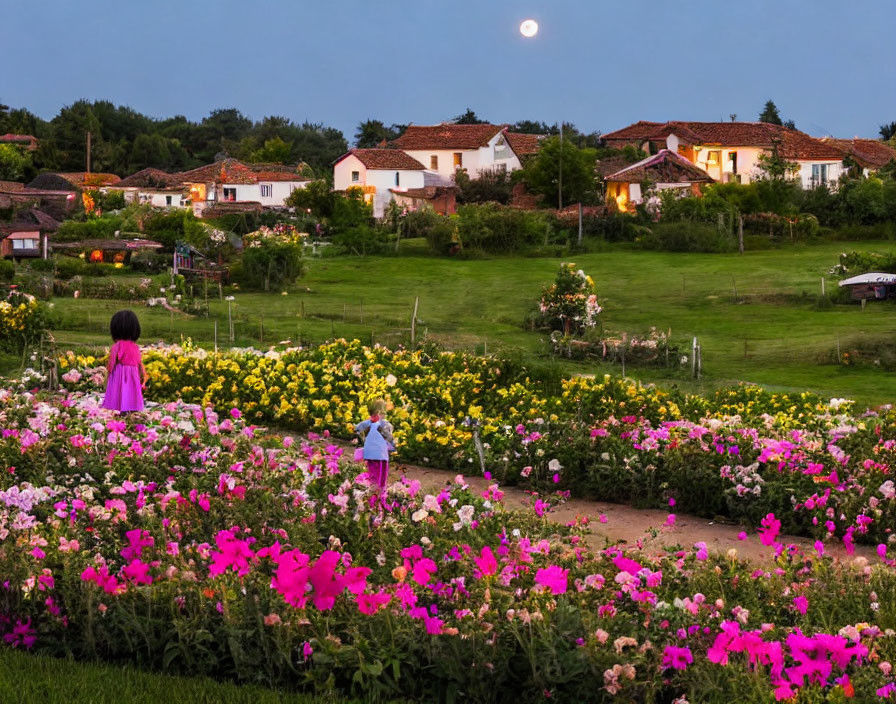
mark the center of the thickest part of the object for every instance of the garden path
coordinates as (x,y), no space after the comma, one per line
(629,525)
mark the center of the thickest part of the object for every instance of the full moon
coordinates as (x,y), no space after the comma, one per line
(529,28)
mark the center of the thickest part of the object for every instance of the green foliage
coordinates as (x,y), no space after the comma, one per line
(570,304)
(274,151)
(542,173)
(7,269)
(94,228)
(496,229)
(492,186)
(371,133)
(468,117)
(687,237)
(770,113)
(272,259)
(888,131)
(316,198)
(13,163)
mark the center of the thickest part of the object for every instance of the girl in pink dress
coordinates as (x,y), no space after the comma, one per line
(127,377)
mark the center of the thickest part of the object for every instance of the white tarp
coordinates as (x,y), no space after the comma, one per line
(869,279)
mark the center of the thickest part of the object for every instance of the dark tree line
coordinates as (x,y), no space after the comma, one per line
(124,141)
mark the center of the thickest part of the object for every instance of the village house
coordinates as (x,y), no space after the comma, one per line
(447,147)
(27,235)
(730,151)
(26,141)
(384,175)
(664,170)
(152,186)
(232,181)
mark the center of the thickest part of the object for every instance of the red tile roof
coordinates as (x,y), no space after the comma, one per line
(524,144)
(224,171)
(10,138)
(869,153)
(446,136)
(663,167)
(9,186)
(792,144)
(384,159)
(84,179)
(150,178)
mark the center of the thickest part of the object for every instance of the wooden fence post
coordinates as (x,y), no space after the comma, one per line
(414,322)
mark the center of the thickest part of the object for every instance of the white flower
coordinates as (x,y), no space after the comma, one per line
(465,514)
(391,380)
(419,515)
(888,489)
(554,465)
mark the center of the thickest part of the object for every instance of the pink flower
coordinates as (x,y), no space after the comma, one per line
(742,536)
(770,529)
(801,604)
(553,579)
(235,413)
(233,553)
(371,603)
(21,634)
(677,658)
(486,563)
(307,650)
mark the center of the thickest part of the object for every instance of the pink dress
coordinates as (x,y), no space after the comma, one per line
(124,389)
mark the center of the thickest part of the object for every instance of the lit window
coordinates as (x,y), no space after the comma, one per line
(458,159)
(266,190)
(434,162)
(819,174)
(356,176)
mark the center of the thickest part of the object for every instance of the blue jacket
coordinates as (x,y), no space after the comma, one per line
(377,443)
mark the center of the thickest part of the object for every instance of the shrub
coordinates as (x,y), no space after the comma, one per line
(22,321)
(570,304)
(7,269)
(494,228)
(687,237)
(272,258)
(362,240)
(93,229)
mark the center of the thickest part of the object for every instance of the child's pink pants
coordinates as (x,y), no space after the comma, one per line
(378,471)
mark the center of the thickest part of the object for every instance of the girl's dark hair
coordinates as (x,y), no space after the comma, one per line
(125,326)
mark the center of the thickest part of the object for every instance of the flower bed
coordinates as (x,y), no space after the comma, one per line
(742,454)
(187,541)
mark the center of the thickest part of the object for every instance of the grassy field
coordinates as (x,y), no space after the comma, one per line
(26,679)
(755,315)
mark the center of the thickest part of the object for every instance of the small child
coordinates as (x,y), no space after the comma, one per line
(127,377)
(378,443)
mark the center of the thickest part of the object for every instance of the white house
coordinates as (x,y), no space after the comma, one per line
(232,181)
(447,147)
(730,151)
(152,186)
(381,174)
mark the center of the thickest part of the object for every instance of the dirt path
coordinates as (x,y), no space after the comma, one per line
(629,525)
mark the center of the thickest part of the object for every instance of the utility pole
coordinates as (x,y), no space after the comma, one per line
(88,152)
(560,175)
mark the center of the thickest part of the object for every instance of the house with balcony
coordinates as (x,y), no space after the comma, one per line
(447,147)
(731,151)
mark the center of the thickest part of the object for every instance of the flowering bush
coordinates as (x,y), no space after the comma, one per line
(570,304)
(22,321)
(742,453)
(190,541)
(272,256)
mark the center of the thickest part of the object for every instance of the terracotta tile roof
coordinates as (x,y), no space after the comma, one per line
(281,172)
(224,171)
(150,178)
(446,136)
(279,176)
(663,167)
(524,144)
(384,159)
(869,153)
(83,179)
(792,144)
(11,186)
(30,219)
(27,139)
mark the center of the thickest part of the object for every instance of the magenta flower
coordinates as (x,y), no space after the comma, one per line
(801,604)
(235,413)
(369,604)
(553,579)
(486,564)
(769,530)
(307,650)
(21,634)
(233,553)
(677,658)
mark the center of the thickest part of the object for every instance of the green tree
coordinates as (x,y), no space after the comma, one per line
(469,118)
(770,114)
(371,133)
(316,198)
(888,131)
(12,163)
(274,151)
(489,187)
(221,132)
(562,163)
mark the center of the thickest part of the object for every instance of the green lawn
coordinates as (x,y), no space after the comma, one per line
(27,679)
(772,333)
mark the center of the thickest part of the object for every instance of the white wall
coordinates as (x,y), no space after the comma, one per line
(381,179)
(475,161)
(342,173)
(835,169)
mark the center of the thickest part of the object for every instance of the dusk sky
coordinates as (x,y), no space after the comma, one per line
(829,65)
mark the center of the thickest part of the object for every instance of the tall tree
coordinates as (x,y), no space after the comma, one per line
(222,131)
(371,133)
(888,131)
(562,163)
(469,118)
(770,114)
